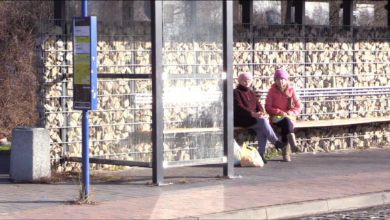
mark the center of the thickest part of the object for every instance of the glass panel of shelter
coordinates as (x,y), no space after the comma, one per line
(192,86)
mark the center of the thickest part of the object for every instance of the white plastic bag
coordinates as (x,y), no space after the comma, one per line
(237,153)
(250,157)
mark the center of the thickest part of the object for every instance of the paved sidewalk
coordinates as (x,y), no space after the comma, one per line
(311,183)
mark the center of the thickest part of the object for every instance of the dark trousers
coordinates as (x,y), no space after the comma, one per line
(287,127)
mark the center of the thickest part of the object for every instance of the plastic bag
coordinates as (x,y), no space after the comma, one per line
(278,118)
(237,153)
(250,157)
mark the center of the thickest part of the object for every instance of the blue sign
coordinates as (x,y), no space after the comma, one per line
(147,9)
(84,63)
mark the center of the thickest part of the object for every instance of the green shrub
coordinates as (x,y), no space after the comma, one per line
(5,149)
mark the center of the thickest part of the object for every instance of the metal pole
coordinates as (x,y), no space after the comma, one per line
(387,6)
(85,154)
(85,133)
(347,12)
(157,105)
(84,8)
(300,12)
(247,11)
(228,136)
(59,20)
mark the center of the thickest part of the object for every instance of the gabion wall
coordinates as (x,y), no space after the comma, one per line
(314,56)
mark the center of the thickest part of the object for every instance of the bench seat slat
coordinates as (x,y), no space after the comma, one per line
(186,130)
(340,122)
(299,124)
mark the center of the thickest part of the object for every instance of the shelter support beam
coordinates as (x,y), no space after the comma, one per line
(299,12)
(347,12)
(228,168)
(157,105)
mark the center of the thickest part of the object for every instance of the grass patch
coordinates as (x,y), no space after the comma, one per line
(363,147)
(273,153)
(5,149)
(115,168)
(183,180)
(84,199)
(97,177)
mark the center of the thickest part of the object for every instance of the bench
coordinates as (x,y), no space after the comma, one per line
(185,130)
(326,107)
(321,107)
(322,110)
(356,106)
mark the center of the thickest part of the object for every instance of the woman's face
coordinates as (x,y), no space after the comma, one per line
(246,83)
(281,82)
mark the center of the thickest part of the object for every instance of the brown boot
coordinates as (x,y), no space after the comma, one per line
(286,153)
(293,143)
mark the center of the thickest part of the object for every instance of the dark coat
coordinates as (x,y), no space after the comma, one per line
(245,102)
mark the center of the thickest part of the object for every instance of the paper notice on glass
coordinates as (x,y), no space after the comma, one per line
(82,48)
(82,70)
(82,45)
(81,31)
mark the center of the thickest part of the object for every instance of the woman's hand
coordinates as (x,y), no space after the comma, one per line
(282,113)
(257,114)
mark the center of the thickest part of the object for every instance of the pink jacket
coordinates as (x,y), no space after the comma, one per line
(276,102)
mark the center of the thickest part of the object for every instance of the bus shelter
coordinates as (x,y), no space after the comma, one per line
(165,84)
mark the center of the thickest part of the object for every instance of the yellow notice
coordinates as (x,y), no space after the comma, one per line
(82,64)
(82,39)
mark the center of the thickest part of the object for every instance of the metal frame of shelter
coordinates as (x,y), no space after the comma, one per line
(157,86)
(157,65)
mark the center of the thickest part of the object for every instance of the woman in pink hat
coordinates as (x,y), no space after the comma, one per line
(283,114)
(249,113)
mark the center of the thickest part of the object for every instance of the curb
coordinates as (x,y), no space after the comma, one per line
(304,208)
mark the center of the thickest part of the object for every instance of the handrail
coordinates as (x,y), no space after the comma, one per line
(146,98)
(351,91)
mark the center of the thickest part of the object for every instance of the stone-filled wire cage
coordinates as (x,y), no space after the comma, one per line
(121,127)
(339,72)
(115,129)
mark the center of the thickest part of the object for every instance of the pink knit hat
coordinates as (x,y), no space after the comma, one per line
(245,76)
(280,73)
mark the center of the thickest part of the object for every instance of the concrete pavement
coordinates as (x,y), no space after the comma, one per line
(310,184)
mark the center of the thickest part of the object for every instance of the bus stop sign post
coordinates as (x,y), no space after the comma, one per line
(85,80)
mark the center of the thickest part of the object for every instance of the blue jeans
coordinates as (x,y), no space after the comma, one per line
(264,130)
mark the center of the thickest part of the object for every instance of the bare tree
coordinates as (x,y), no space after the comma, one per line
(267,12)
(380,13)
(334,12)
(17,60)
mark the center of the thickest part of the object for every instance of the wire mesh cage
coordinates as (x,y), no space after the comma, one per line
(116,128)
(339,72)
(121,127)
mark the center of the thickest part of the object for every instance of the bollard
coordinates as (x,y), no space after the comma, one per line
(30,154)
